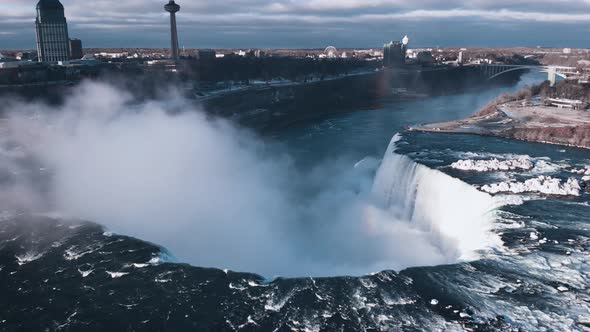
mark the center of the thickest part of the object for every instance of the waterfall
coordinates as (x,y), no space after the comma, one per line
(452,215)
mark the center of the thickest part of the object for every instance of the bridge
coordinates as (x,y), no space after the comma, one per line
(494,70)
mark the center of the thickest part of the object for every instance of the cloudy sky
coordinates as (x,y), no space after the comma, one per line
(311,23)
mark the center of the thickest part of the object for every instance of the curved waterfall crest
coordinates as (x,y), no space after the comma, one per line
(453,216)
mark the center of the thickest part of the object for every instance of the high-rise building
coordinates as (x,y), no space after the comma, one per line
(394,54)
(173,8)
(76,51)
(206,55)
(52,32)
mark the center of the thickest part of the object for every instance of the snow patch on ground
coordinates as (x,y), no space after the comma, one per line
(543,184)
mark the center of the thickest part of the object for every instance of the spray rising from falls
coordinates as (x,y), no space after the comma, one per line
(218,196)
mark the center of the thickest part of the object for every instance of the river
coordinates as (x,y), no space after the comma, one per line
(344,222)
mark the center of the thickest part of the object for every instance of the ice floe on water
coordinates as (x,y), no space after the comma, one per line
(544,165)
(543,184)
(582,171)
(518,164)
(494,164)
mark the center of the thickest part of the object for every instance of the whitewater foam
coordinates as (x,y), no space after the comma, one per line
(433,204)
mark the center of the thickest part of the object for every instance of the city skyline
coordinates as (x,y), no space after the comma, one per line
(310,23)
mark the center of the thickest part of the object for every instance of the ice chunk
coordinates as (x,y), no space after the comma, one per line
(542,184)
(491,165)
(581,171)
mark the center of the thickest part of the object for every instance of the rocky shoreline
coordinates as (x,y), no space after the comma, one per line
(523,120)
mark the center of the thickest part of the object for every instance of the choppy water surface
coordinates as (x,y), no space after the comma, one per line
(464,259)
(538,278)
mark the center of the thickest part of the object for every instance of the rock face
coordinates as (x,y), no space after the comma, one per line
(567,135)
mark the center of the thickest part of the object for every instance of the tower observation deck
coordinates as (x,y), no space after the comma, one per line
(173,8)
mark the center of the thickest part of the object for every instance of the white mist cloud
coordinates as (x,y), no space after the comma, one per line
(218,196)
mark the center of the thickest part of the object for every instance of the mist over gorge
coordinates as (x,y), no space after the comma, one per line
(217,195)
(296,165)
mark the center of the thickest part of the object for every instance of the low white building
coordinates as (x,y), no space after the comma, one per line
(566,103)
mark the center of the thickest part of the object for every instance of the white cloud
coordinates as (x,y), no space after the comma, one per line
(222,17)
(315,10)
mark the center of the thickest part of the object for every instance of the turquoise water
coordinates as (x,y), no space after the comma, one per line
(367,132)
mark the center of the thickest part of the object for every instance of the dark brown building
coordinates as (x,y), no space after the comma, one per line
(76,51)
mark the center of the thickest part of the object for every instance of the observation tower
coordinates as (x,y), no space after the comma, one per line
(173,8)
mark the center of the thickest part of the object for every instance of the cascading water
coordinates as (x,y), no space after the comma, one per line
(214,196)
(433,205)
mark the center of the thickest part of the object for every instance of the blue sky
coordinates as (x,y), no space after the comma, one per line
(311,23)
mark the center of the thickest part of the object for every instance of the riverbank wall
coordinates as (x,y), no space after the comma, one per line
(271,107)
